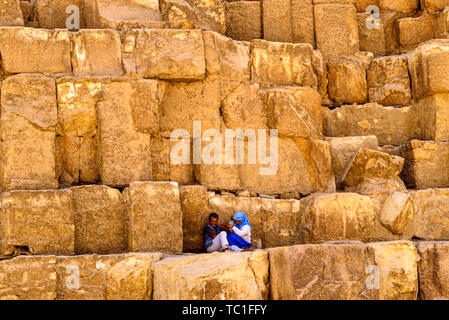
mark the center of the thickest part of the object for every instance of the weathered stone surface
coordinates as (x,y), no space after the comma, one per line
(388,81)
(294,111)
(28,119)
(434,5)
(243,20)
(343,150)
(369,163)
(392,126)
(226,59)
(431,217)
(154,209)
(195,14)
(124,150)
(397,212)
(278,63)
(426,164)
(433,270)
(88,50)
(288,21)
(425,66)
(122,14)
(100,220)
(441,25)
(186,103)
(413,31)
(307,272)
(35,50)
(399,5)
(347,81)
(28,278)
(108,277)
(41,222)
(52,14)
(11,15)
(371,39)
(336,216)
(341,21)
(165,54)
(434,117)
(212,277)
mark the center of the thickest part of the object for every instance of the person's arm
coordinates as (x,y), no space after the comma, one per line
(245,231)
(210,233)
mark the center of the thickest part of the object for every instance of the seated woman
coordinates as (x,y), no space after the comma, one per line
(240,234)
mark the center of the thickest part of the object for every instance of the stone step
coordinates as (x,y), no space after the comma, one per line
(397,270)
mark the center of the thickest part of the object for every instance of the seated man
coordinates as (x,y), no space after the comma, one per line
(214,237)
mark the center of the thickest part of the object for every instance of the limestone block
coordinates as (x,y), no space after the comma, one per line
(176,55)
(343,150)
(243,20)
(340,20)
(194,14)
(212,277)
(28,278)
(124,148)
(11,15)
(336,217)
(413,31)
(100,220)
(434,118)
(347,81)
(338,271)
(433,270)
(399,5)
(369,163)
(88,50)
(426,164)
(40,222)
(28,119)
(434,5)
(122,14)
(392,126)
(294,111)
(225,58)
(278,63)
(397,212)
(26,50)
(52,14)
(154,217)
(371,39)
(388,81)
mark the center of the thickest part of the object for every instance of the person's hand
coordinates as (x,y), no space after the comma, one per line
(230,226)
(224,226)
(213,236)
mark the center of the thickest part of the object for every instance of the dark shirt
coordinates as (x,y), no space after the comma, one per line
(209,234)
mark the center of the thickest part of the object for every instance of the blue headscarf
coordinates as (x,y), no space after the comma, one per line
(241,216)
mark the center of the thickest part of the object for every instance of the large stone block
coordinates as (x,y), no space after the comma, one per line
(226,59)
(243,20)
(28,119)
(426,164)
(367,164)
(154,217)
(165,54)
(397,212)
(434,117)
(441,25)
(343,150)
(336,216)
(431,218)
(425,67)
(28,278)
(346,271)
(388,81)
(124,147)
(413,31)
(40,222)
(399,5)
(371,39)
(433,270)
(100,220)
(340,20)
(278,63)
(53,14)
(195,14)
(288,21)
(35,50)
(392,126)
(228,276)
(122,14)
(434,5)
(88,50)
(11,13)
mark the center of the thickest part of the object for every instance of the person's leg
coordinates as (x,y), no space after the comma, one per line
(216,245)
(223,240)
